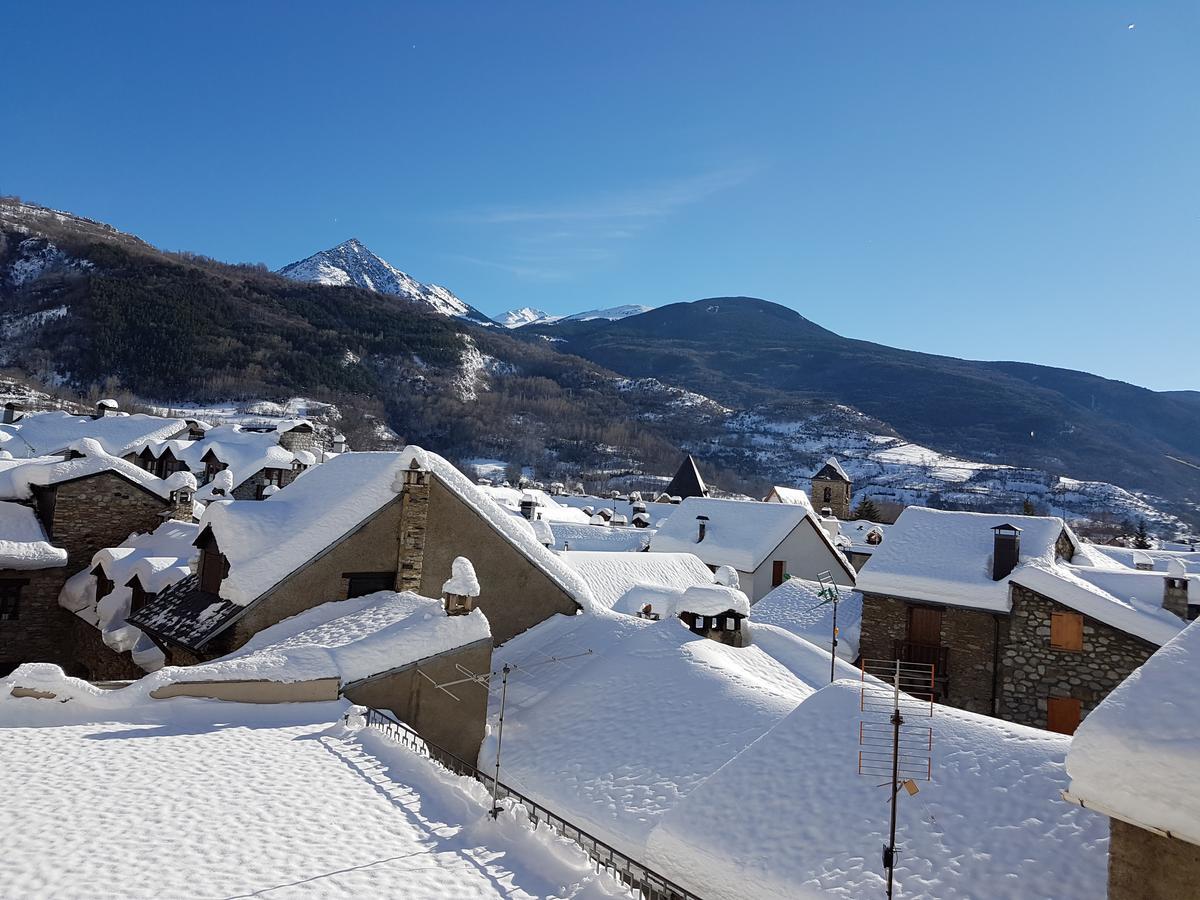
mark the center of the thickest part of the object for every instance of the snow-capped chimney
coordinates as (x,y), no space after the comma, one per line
(13,411)
(106,408)
(1006,550)
(527,506)
(1175,589)
(339,443)
(701,527)
(461,588)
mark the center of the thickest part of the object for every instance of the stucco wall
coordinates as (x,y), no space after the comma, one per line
(515,594)
(373,548)
(805,554)
(969,634)
(1031,670)
(1145,866)
(253,691)
(455,725)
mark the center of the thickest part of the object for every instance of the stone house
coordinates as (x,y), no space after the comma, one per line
(764,542)
(1134,760)
(78,507)
(358,524)
(1017,618)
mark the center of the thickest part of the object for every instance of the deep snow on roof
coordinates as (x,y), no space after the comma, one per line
(604,538)
(613,739)
(328,502)
(293,804)
(244,451)
(1135,755)
(17,481)
(946,557)
(832,468)
(23,543)
(345,639)
(613,577)
(1160,559)
(797,606)
(739,533)
(794,496)
(790,817)
(39,434)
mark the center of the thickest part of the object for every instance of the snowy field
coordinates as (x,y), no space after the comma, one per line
(184,798)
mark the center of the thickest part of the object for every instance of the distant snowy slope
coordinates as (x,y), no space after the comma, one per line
(350,264)
(612,313)
(526,315)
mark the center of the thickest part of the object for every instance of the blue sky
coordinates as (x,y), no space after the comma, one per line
(990,180)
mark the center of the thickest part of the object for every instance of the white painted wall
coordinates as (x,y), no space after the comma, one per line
(805,555)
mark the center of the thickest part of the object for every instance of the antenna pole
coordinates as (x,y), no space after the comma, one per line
(889,855)
(500,740)
(833,649)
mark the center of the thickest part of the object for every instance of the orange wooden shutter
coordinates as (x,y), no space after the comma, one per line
(1062,714)
(1066,631)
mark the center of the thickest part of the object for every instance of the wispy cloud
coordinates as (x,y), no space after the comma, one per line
(645,202)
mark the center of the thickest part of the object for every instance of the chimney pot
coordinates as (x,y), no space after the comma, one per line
(1006,550)
(702,527)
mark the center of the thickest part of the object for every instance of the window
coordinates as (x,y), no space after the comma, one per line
(10,600)
(1062,714)
(1066,631)
(827,495)
(359,584)
(777,568)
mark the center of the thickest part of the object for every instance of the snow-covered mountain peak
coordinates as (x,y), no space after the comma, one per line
(351,264)
(526,315)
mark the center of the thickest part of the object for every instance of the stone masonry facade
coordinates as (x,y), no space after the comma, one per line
(1143,865)
(100,511)
(40,632)
(414,519)
(1032,670)
(970,636)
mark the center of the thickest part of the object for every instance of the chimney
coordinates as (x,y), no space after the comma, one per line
(1175,589)
(106,408)
(527,505)
(339,443)
(1006,550)
(701,527)
(13,411)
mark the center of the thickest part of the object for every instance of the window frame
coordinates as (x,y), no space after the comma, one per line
(778,572)
(10,598)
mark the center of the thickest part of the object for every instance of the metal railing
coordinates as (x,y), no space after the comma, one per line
(643,881)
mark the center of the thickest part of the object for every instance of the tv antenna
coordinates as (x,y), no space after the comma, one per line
(487,682)
(888,745)
(828,592)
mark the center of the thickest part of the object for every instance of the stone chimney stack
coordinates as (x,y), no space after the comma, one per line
(1175,589)
(13,412)
(1006,550)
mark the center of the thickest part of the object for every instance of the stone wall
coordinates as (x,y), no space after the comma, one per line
(839,502)
(1145,866)
(42,630)
(100,511)
(968,634)
(1031,670)
(94,659)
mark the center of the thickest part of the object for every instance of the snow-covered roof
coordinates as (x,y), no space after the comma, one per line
(1135,755)
(23,543)
(41,434)
(859,530)
(740,533)
(1159,559)
(832,468)
(946,557)
(798,606)
(795,496)
(345,639)
(287,808)
(789,817)
(712,600)
(17,481)
(621,580)
(245,451)
(599,537)
(328,502)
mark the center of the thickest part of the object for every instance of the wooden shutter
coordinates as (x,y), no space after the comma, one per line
(777,573)
(1062,714)
(925,625)
(1066,631)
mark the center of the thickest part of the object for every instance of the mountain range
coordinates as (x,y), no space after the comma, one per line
(755,390)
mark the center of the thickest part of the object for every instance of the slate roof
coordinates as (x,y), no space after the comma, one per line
(185,615)
(832,471)
(687,481)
